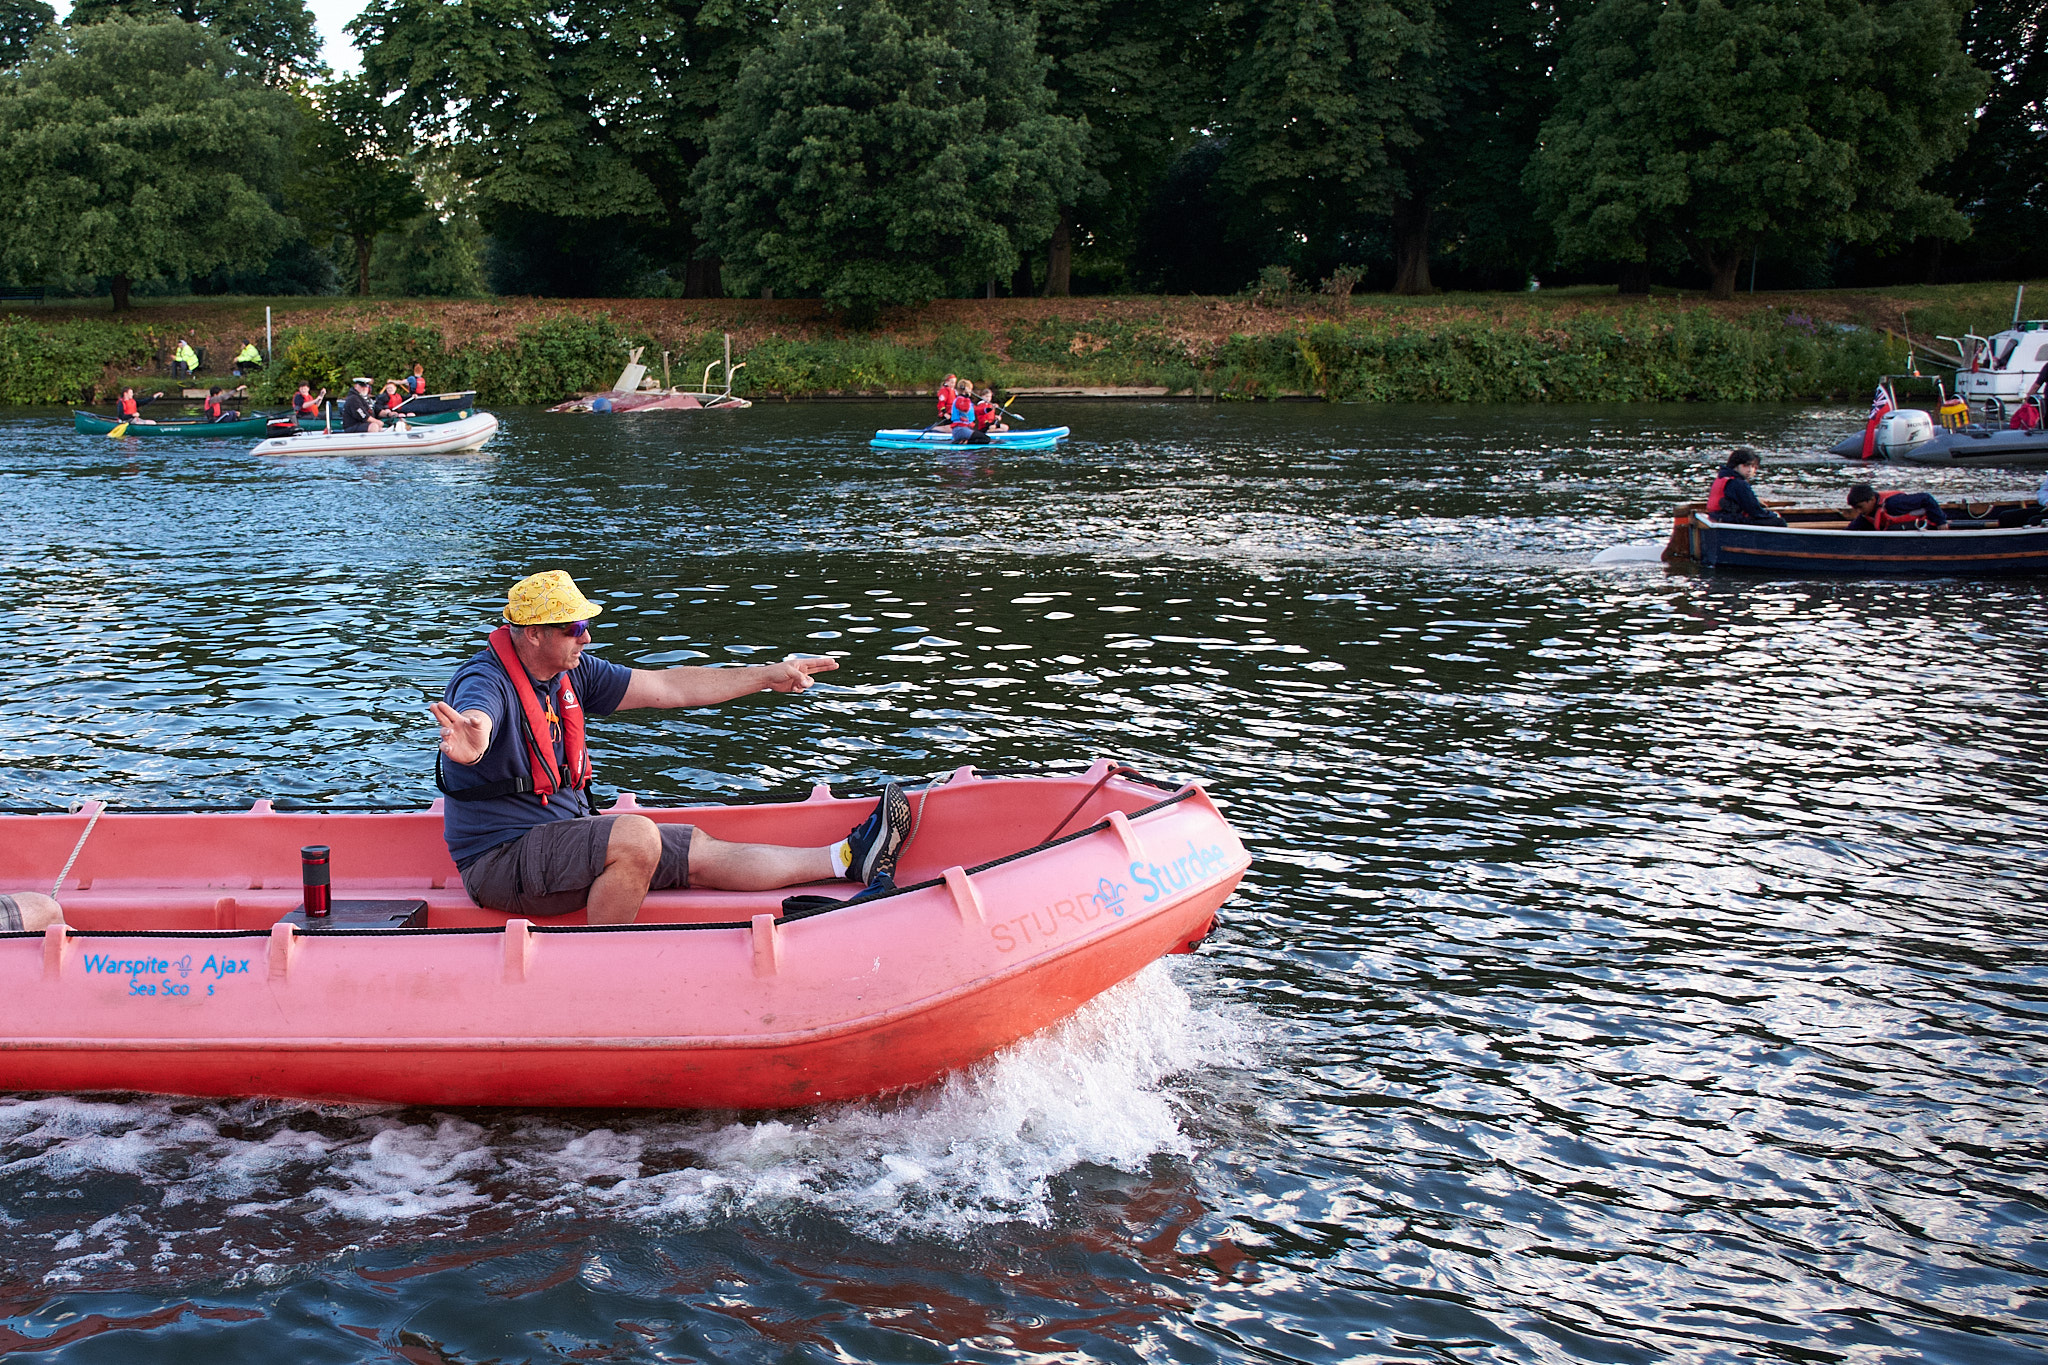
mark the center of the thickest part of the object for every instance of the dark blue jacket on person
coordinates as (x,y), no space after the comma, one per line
(1732,499)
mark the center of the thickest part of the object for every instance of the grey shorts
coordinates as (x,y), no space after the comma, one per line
(548,870)
(10,915)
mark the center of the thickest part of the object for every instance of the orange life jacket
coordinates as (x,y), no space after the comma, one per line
(309,406)
(1885,521)
(1715,493)
(211,407)
(575,773)
(543,778)
(945,401)
(130,408)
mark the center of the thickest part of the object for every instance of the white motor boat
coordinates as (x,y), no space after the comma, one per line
(464,434)
(2004,366)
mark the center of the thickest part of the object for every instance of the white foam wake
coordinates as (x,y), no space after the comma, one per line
(91,1187)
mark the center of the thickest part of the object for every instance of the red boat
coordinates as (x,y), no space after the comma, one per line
(187,967)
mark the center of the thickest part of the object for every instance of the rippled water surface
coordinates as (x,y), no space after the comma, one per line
(1638,966)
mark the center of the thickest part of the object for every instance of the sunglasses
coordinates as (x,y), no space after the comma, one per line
(575,629)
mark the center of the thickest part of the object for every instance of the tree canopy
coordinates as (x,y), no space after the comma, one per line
(574,111)
(21,23)
(349,183)
(879,152)
(1320,102)
(279,35)
(1725,125)
(135,149)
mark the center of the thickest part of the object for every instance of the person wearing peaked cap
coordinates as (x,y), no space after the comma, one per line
(356,413)
(515,769)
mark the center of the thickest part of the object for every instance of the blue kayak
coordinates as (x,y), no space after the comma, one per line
(915,438)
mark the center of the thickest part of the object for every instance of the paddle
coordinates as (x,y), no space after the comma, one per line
(120,430)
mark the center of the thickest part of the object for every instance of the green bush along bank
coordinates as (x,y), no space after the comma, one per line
(62,362)
(1675,356)
(1648,354)
(547,361)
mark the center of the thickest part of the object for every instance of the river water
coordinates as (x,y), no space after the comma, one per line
(1637,966)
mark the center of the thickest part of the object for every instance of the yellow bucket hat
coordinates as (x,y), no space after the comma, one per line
(548,598)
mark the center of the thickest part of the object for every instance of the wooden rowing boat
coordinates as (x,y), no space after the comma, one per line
(1991,537)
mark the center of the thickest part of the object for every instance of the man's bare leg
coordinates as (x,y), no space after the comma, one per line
(721,866)
(630,857)
(38,912)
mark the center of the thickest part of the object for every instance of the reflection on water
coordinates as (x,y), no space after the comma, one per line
(1638,966)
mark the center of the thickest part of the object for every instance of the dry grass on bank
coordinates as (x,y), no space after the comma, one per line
(215,323)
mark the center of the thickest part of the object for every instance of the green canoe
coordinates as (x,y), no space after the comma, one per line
(91,424)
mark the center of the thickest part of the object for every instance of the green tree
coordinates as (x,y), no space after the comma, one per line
(440,255)
(279,34)
(133,149)
(1322,98)
(349,182)
(1724,125)
(2001,179)
(21,23)
(575,111)
(1142,78)
(880,152)
(1461,194)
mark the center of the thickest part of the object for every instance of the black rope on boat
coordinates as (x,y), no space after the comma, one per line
(1100,782)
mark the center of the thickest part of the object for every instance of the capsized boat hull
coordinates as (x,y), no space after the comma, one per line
(92,424)
(177,977)
(911,438)
(650,400)
(465,433)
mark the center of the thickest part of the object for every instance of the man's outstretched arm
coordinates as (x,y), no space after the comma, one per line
(693,686)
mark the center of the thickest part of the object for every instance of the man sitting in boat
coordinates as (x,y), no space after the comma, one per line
(306,403)
(517,775)
(1732,499)
(1893,511)
(415,383)
(215,408)
(30,911)
(356,414)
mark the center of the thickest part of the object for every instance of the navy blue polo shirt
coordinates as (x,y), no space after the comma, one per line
(473,827)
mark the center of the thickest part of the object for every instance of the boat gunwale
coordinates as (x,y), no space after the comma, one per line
(1174,797)
(1706,519)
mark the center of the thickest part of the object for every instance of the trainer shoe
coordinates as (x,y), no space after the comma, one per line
(875,841)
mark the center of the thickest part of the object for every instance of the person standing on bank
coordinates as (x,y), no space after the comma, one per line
(517,775)
(1732,499)
(356,413)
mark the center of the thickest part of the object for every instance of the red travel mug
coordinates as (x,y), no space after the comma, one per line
(313,866)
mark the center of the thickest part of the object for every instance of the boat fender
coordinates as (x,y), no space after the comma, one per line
(543,779)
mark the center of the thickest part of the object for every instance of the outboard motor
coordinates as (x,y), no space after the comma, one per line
(1899,430)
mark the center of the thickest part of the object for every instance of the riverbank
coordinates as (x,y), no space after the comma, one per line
(1562,346)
